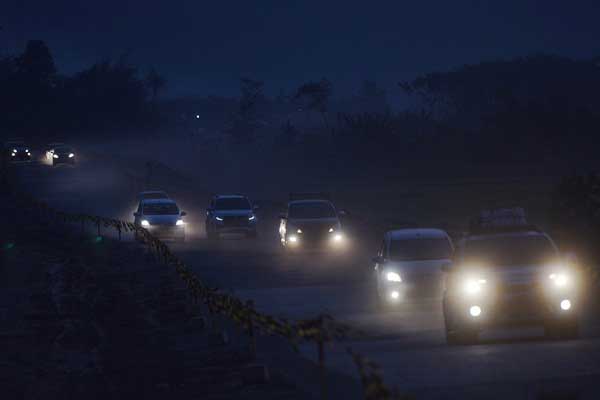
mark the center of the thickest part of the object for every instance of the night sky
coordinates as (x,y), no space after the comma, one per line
(205,47)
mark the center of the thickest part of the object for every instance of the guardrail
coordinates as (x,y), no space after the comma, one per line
(319,330)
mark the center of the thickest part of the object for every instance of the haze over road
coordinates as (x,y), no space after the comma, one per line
(408,344)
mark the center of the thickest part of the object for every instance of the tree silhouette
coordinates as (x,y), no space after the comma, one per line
(315,96)
(155,82)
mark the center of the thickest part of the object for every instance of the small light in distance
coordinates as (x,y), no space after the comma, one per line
(55,155)
(475,311)
(330,230)
(145,223)
(197,116)
(394,295)
(180,222)
(293,238)
(565,305)
(299,231)
(71,155)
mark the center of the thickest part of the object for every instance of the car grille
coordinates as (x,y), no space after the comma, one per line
(235,221)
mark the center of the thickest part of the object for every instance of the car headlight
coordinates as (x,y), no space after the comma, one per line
(145,223)
(331,230)
(55,155)
(559,279)
(298,230)
(474,286)
(71,155)
(179,222)
(251,218)
(219,218)
(293,238)
(391,276)
(338,237)
(13,154)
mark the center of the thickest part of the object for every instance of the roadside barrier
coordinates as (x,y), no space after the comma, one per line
(319,330)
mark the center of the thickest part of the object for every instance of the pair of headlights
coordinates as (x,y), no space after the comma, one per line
(146,224)
(250,218)
(474,286)
(71,155)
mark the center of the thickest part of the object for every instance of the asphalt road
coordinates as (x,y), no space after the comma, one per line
(408,343)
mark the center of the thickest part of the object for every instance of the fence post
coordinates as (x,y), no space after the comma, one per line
(321,350)
(250,305)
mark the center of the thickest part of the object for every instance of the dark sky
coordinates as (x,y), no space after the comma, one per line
(205,46)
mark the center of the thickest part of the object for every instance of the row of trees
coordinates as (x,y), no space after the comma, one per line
(36,100)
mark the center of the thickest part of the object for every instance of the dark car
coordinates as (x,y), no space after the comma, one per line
(507,275)
(230,214)
(62,155)
(17,151)
(311,223)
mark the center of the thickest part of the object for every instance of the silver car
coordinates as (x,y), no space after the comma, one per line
(162,218)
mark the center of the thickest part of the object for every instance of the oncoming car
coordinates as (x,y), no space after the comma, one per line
(61,155)
(17,151)
(510,274)
(162,218)
(409,264)
(311,224)
(230,214)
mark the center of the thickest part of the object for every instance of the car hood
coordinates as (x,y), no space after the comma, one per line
(518,275)
(232,213)
(314,223)
(170,219)
(417,268)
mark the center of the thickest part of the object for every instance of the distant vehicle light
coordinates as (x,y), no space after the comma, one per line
(475,311)
(293,238)
(14,150)
(299,231)
(219,218)
(394,295)
(71,155)
(55,155)
(330,230)
(145,223)
(565,305)
(197,116)
(27,150)
(338,237)
(393,277)
(13,154)
(251,218)
(180,222)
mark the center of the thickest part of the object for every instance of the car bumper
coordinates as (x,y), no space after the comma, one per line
(167,231)
(65,160)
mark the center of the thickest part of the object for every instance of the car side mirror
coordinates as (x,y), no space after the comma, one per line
(183,213)
(446,267)
(379,260)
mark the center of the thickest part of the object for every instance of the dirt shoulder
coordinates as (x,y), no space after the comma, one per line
(87,317)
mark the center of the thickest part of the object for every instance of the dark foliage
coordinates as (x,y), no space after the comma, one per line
(39,103)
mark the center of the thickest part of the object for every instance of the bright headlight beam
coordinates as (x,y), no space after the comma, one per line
(179,222)
(560,280)
(55,155)
(338,237)
(219,218)
(71,155)
(251,218)
(393,277)
(474,286)
(293,238)
(565,305)
(145,223)
(299,231)
(475,311)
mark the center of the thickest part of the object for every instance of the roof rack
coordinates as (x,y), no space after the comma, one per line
(309,196)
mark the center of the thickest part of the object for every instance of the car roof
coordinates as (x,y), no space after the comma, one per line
(416,233)
(307,201)
(158,201)
(505,234)
(230,196)
(152,192)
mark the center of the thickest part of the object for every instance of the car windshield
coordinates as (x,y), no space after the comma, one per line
(420,249)
(63,149)
(155,195)
(161,209)
(310,210)
(232,203)
(509,251)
